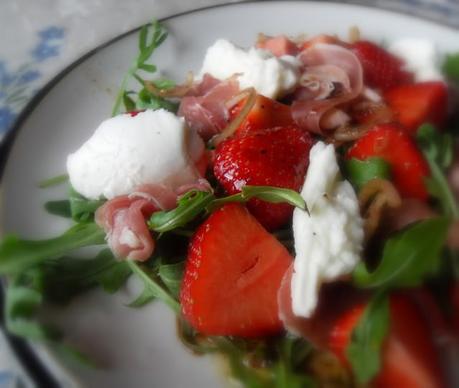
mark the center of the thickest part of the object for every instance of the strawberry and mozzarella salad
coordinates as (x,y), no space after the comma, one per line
(293,202)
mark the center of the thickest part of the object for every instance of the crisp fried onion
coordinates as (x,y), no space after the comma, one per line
(374,197)
(250,95)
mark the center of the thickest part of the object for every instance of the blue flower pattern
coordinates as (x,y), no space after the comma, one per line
(19,85)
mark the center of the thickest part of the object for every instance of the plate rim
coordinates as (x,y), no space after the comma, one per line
(35,368)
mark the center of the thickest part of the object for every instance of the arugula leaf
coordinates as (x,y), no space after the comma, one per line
(81,208)
(150,38)
(154,287)
(21,304)
(193,203)
(360,172)
(278,362)
(67,277)
(171,275)
(59,208)
(128,102)
(54,181)
(293,353)
(364,349)
(163,83)
(408,257)
(266,193)
(147,100)
(438,150)
(450,66)
(189,206)
(18,255)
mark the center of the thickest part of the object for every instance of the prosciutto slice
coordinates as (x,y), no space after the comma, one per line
(124,218)
(204,107)
(333,76)
(334,300)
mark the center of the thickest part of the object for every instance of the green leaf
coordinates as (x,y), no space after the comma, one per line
(17,255)
(144,298)
(67,277)
(361,172)
(171,275)
(437,146)
(147,67)
(164,83)
(438,150)
(274,195)
(147,47)
(266,193)
(128,102)
(364,349)
(149,101)
(54,181)
(451,66)
(154,287)
(189,206)
(59,208)
(408,258)
(83,209)
(293,353)
(21,305)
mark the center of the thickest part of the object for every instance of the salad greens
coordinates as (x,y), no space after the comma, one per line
(408,257)
(451,66)
(193,203)
(278,362)
(364,349)
(17,255)
(150,38)
(438,151)
(360,172)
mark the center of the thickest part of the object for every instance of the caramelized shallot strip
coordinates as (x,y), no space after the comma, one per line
(229,130)
(374,197)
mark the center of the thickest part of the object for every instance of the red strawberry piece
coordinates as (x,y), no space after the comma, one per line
(408,166)
(276,157)
(409,357)
(381,69)
(278,45)
(265,113)
(419,103)
(232,276)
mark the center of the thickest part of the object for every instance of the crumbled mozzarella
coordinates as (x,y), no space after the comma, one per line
(328,240)
(270,76)
(153,147)
(420,57)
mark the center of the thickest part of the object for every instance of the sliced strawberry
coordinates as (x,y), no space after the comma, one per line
(265,113)
(408,166)
(276,157)
(278,45)
(419,103)
(409,357)
(233,272)
(381,69)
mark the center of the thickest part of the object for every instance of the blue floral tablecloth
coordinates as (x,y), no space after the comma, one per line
(39,38)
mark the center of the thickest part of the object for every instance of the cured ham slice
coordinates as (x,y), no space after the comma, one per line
(278,45)
(333,76)
(124,218)
(334,300)
(205,109)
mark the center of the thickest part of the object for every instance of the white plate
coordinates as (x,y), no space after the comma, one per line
(138,347)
